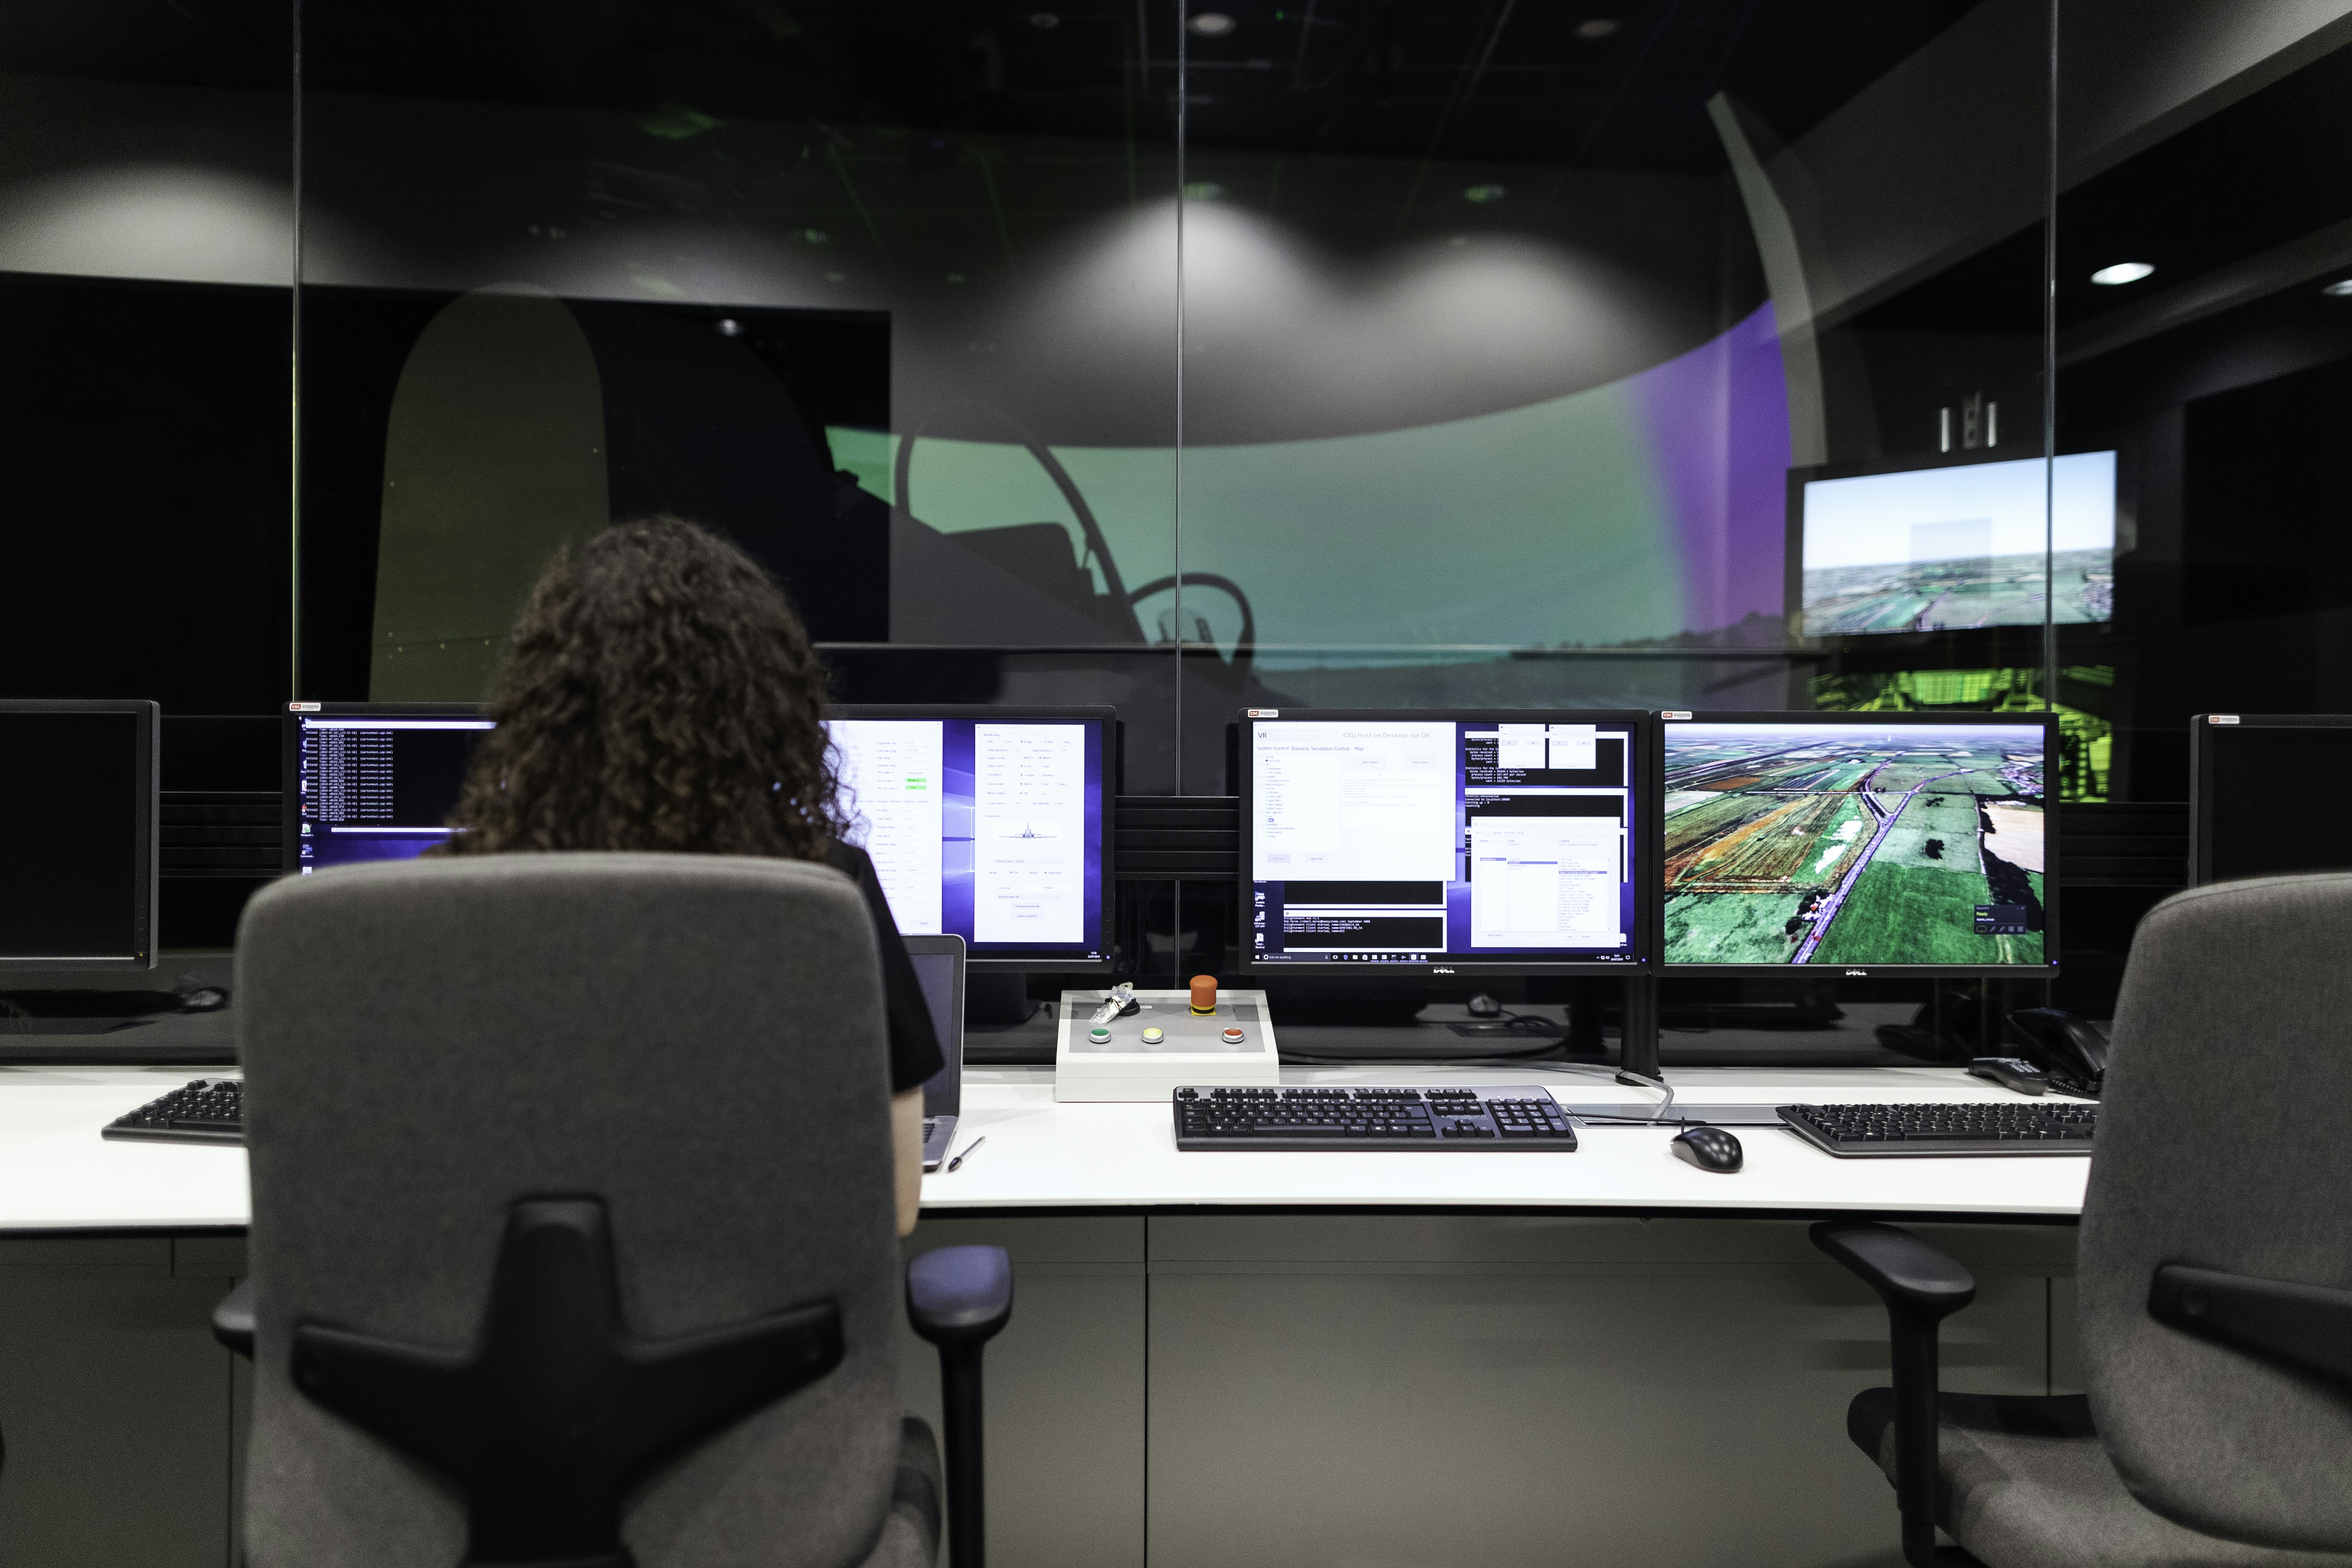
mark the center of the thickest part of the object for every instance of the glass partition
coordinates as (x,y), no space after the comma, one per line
(886,294)
(2203,313)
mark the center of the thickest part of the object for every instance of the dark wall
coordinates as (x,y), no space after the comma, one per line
(143,432)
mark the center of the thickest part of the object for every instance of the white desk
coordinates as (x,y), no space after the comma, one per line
(57,1173)
(1219,1360)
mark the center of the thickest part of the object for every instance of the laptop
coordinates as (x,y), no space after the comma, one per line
(939,968)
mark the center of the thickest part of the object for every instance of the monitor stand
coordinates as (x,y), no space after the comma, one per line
(996,996)
(1639,1053)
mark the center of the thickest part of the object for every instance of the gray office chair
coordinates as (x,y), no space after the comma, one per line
(2214,1274)
(572,1225)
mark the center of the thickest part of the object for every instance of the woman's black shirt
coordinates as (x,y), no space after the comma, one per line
(915,1053)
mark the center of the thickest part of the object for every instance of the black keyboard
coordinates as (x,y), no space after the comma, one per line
(1524,1117)
(209,1111)
(1987,1127)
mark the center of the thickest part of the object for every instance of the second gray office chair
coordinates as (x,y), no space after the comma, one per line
(2214,1274)
(572,1235)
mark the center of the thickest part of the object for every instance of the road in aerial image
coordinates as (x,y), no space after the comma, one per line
(1853,844)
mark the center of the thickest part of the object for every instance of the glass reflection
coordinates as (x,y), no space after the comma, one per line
(1512,337)
(885,293)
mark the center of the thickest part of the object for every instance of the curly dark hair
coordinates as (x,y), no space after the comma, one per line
(661,695)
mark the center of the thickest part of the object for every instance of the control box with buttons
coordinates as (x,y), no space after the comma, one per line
(1155,1040)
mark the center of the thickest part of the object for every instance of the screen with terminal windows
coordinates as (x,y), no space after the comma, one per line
(377,783)
(989,824)
(1870,840)
(1500,842)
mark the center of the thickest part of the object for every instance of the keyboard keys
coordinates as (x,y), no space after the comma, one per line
(1990,1127)
(1371,1117)
(208,1110)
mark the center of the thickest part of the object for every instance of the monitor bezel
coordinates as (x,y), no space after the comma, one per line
(147,763)
(1792,553)
(2043,719)
(2201,734)
(1034,961)
(946,944)
(1642,760)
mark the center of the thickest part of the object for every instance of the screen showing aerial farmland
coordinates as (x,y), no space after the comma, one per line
(1855,843)
(1949,548)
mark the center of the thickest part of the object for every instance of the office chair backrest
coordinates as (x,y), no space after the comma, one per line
(2223,1145)
(696,1040)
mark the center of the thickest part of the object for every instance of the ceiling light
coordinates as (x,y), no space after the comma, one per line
(1596,27)
(1212,24)
(2339,289)
(729,327)
(1481,195)
(2122,272)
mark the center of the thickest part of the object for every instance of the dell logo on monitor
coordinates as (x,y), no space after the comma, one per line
(1439,969)
(1857,973)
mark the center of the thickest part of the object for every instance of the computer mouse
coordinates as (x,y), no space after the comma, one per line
(1708,1148)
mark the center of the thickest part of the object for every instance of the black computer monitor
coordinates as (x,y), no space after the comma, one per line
(990,824)
(373,781)
(2238,764)
(1436,842)
(79,794)
(1858,844)
(1978,543)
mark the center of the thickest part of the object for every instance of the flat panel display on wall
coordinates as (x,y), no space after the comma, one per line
(1956,546)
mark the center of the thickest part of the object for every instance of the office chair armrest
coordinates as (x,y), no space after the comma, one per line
(233,1319)
(960,1295)
(1922,1285)
(957,1297)
(1915,1279)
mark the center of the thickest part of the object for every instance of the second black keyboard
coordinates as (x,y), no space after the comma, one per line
(209,1111)
(1968,1127)
(1522,1117)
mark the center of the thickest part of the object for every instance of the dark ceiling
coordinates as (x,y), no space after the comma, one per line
(1599,84)
(2263,171)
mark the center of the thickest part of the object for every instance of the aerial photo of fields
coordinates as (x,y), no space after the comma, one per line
(1853,844)
(1944,595)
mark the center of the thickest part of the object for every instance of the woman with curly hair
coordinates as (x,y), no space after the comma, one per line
(663,695)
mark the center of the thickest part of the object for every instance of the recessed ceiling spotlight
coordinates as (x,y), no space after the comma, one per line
(1043,20)
(2340,289)
(1212,24)
(729,327)
(1481,195)
(1596,27)
(2122,272)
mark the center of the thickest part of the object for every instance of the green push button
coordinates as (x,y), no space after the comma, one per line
(1100,1037)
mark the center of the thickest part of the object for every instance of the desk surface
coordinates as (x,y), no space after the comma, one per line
(57,1173)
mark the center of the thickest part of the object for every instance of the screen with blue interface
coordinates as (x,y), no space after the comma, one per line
(1852,840)
(989,827)
(1451,842)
